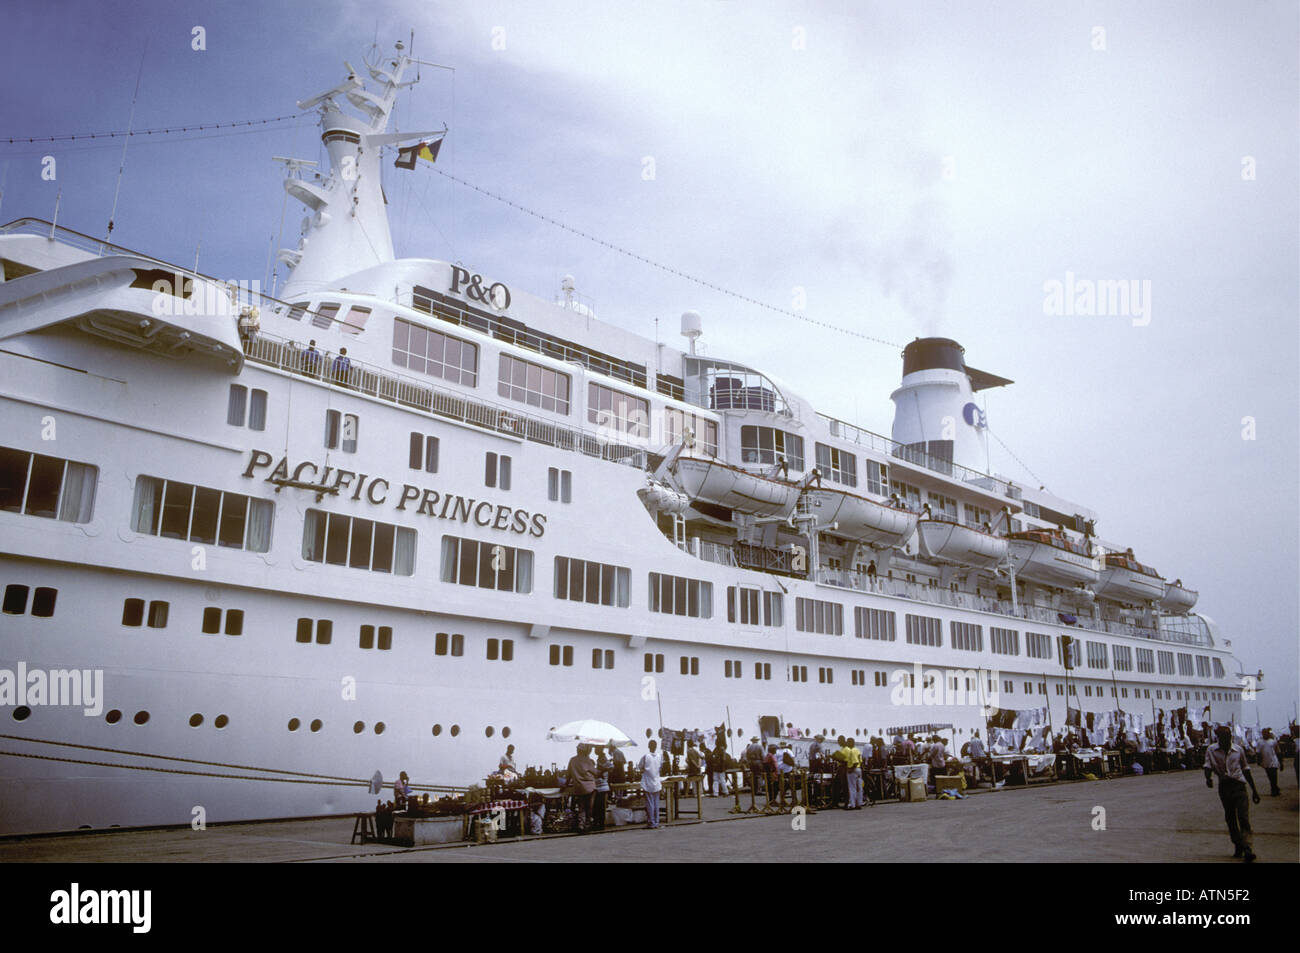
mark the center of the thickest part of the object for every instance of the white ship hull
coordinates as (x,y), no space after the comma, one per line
(1049,565)
(723,485)
(860,519)
(963,545)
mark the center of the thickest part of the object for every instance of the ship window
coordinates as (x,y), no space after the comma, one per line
(1097,655)
(113,717)
(826,676)
(304,631)
(324,631)
(211,621)
(677,422)
(424,453)
(358,727)
(559,485)
(431,352)
(235,622)
(324,315)
(235,407)
(676,595)
(767,445)
(359,543)
(533,384)
(195,720)
(297,311)
(763,670)
(1038,645)
(1122,657)
(355,321)
(602,658)
(923,630)
(874,624)
(316,724)
(470,562)
(367,637)
(294,724)
(967,636)
(496,471)
(385,642)
(1004,641)
(341,431)
(580,580)
(836,465)
(622,413)
(816,615)
(455,730)
(182,511)
(141,717)
(133,612)
(654,662)
(47,486)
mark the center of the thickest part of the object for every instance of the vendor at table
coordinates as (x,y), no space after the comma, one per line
(401,791)
(507,762)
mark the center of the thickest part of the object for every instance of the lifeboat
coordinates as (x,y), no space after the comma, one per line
(861,519)
(1042,556)
(961,544)
(724,485)
(1124,579)
(661,498)
(1178,598)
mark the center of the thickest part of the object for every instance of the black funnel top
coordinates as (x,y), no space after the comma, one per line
(928,354)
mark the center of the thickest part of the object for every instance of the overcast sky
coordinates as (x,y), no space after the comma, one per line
(908,168)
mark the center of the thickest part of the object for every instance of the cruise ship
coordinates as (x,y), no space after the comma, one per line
(417,514)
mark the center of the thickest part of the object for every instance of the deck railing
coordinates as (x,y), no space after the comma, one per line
(1184,630)
(892,448)
(421,395)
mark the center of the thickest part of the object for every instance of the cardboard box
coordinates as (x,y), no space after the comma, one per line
(946,782)
(913,790)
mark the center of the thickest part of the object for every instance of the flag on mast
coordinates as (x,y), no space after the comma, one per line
(407,155)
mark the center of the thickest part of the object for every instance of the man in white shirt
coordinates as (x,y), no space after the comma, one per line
(651,785)
(1228,761)
(1266,751)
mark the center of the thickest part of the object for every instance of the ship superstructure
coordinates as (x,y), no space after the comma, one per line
(421,514)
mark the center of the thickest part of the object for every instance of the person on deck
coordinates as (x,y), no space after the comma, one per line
(1228,761)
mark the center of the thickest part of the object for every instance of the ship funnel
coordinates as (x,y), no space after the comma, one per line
(692,327)
(935,412)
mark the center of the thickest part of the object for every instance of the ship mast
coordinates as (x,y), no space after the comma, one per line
(346,228)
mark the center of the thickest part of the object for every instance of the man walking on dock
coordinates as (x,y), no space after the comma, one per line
(1228,761)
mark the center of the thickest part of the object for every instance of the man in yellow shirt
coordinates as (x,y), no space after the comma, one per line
(852,759)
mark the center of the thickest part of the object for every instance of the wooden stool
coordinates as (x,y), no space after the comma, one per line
(364,828)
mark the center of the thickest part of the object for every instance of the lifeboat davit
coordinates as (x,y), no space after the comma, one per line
(716,482)
(861,519)
(1124,579)
(958,543)
(1046,557)
(1178,598)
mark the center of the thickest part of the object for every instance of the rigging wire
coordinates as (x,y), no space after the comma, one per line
(1016,458)
(16,140)
(667,268)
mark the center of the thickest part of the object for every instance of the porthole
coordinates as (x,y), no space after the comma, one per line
(489,731)
(141,717)
(294,724)
(455,730)
(379,727)
(437,730)
(221,721)
(359,727)
(505,732)
(22,713)
(113,717)
(316,724)
(195,720)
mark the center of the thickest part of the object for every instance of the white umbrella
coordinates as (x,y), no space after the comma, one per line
(591,732)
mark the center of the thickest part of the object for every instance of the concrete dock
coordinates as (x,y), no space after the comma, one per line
(1158,818)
